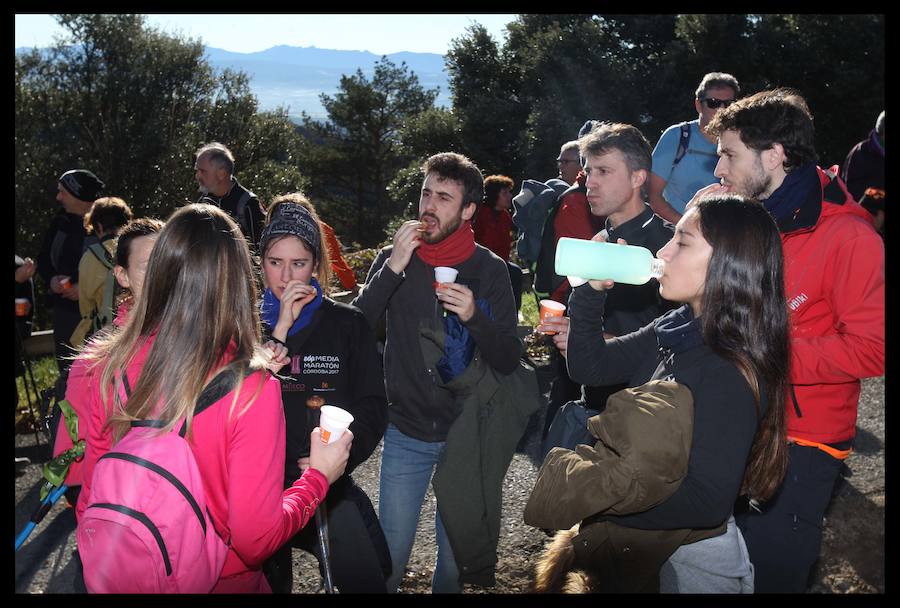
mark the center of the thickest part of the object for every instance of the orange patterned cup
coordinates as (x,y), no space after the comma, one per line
(551,308)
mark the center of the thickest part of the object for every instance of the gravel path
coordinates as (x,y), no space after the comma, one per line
(852,553)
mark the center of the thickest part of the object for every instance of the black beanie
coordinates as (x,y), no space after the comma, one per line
(82,184)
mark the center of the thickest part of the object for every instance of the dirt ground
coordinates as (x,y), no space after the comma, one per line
(852,557)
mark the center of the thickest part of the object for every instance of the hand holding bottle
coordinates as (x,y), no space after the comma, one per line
(604,284)
(603,264)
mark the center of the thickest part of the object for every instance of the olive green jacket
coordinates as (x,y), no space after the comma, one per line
(639,460)
(468,480)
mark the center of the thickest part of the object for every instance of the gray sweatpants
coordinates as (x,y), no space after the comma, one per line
(714,565)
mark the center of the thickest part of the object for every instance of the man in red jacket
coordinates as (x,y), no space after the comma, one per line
(834,282)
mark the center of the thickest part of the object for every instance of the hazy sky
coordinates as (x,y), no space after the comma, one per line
(247,33)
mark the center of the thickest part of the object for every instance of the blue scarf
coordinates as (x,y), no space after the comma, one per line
(459,344)
(271,307)
(792,192)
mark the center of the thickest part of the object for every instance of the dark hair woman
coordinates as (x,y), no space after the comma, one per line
(729,345)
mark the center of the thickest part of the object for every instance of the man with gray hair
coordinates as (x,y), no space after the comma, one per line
(685,155)
(568,162)
(214,172)
(864,166)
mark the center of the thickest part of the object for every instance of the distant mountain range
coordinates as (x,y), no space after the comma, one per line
(294,76)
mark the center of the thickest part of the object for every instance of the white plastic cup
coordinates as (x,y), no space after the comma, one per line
(445,274)
(333,421)
(65,282)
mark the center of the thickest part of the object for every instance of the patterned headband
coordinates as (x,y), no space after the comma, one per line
(295,220)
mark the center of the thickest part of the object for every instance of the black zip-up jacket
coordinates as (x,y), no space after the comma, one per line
(725,417)
(253,217)
(61,251)
(630,307)
(419,406)
(334,361)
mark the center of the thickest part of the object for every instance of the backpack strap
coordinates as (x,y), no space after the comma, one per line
(102,255)
(217,388)
(683,141)
(105,313)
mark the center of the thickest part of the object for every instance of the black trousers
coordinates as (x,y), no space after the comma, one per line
(562,389)
(360,558)
(784,539)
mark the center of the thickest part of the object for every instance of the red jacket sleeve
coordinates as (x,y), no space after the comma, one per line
(856,293)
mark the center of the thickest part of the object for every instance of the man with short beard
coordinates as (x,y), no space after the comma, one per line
(834,282)
(478,305)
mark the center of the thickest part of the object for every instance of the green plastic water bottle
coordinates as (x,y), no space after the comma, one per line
(595,260)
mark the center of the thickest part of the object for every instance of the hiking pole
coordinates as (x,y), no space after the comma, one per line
(26,361)
(40,512)
(324,548)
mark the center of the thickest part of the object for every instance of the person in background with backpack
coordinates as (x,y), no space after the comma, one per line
(570,217)
(685,155)
(97,284)
(195,317)
(214,172)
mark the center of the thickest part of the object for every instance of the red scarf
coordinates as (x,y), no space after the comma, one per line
(456,248)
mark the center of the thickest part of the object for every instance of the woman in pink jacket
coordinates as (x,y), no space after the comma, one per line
(195,316)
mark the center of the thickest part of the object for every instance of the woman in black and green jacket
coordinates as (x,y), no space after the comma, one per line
(329,357)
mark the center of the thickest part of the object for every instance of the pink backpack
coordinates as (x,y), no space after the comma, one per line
(147,528)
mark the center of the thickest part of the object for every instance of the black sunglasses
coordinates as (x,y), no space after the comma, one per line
(712,103)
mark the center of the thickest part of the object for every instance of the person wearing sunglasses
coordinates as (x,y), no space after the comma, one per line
(685,156)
